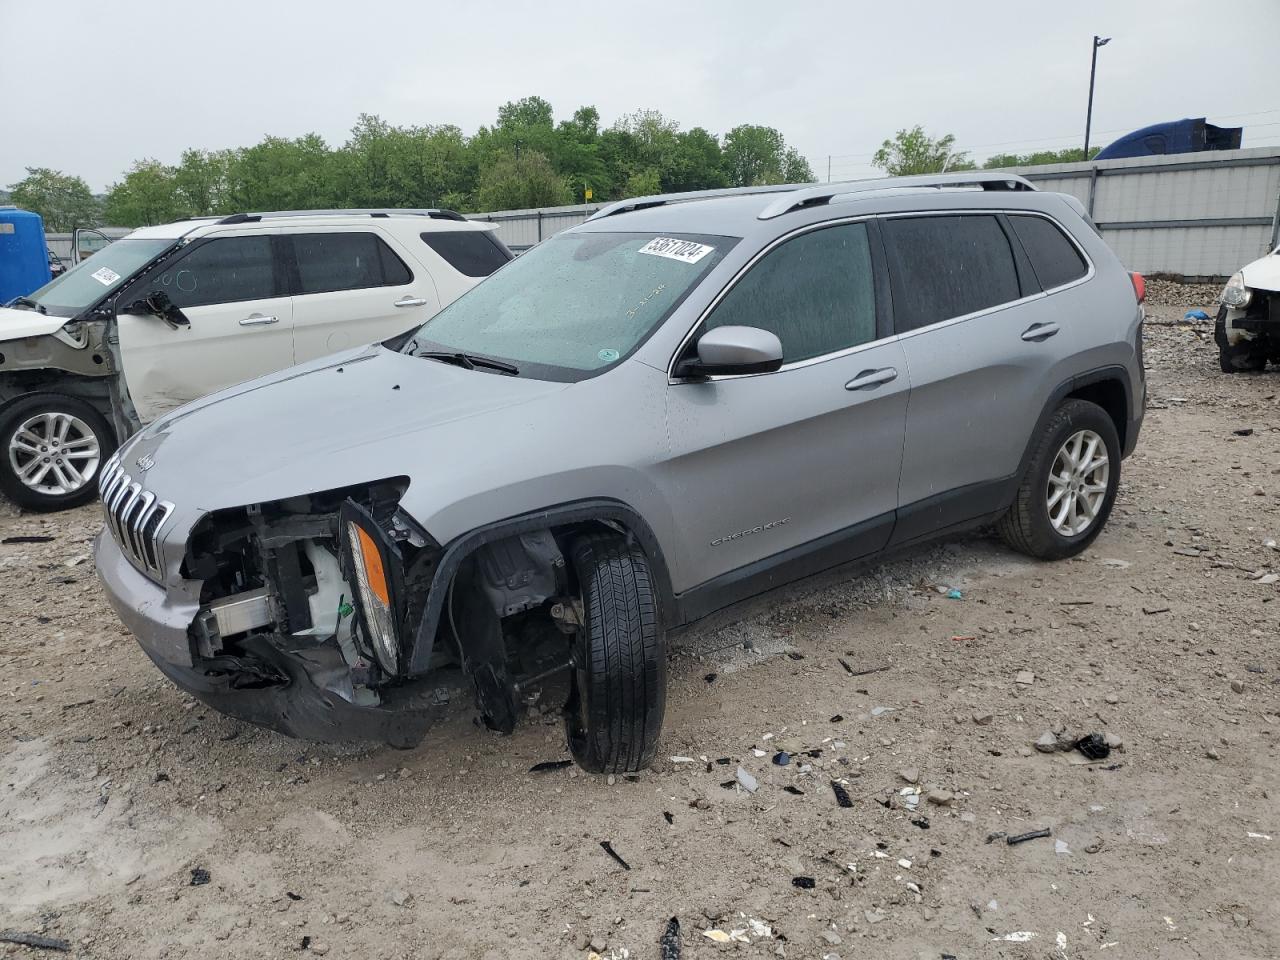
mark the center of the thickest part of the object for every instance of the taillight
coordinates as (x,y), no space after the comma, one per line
(1139,286)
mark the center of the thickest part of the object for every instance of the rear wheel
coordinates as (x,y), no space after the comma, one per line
(1070,485)
(51,449)
(618,698)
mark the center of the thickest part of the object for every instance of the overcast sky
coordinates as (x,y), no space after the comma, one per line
(90,87)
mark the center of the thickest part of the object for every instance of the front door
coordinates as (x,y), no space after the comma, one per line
(353,288)
(241,324)
(774,476)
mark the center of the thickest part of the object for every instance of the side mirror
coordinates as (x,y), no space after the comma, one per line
(157,302)
(733,350)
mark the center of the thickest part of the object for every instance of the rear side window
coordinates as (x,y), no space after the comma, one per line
(1054,258)
(945,267)
(346,261)
(473,253)
(816,292)
(226,270)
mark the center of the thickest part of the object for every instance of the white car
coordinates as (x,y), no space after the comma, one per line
(169,314)
(1248,326)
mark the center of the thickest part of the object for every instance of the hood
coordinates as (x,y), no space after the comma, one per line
(1263,274)
(17,324)
(356,417)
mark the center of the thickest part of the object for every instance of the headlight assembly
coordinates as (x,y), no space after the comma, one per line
(1235,294)
(373,564)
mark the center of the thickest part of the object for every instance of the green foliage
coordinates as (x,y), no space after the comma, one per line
(525,159)
(756,156)
(511,183)
(913,151)
(1066,155)
(63,202)
(148,194)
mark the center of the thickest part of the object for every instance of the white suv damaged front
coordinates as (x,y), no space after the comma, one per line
(1248,324)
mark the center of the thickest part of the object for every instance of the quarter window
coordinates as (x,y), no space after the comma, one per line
(224,270)
(816,292)
(473,253)
(346,261)
(1054,258)
(945,267)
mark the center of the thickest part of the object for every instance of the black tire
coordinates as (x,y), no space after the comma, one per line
(1247,357)
(21,411)
(1026,527)
(619,692)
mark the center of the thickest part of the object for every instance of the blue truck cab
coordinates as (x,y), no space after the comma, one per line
(24,256)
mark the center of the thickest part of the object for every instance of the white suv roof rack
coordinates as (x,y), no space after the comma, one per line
(432,212)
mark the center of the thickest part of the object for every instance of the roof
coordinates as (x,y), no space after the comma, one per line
(426,220)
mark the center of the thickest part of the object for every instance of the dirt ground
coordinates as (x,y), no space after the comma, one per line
(115,787)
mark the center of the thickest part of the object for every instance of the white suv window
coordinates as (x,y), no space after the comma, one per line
(223,270)
(346,261)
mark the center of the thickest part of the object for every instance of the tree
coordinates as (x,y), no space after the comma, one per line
(386,166)
(697,163)
(200,181)
(1067,155)
(283,174)
(912,151)
(754,156)
(644,184)
(63,202)
(147,195)
(515,184)
(521,114)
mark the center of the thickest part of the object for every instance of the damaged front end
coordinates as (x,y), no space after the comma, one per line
(1247,330)
(314,618)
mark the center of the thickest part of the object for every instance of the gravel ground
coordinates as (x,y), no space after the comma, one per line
(118,793)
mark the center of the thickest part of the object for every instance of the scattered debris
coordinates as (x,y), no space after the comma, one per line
(804,883)
(795,791)
(1237,686)
(670,943)
(1258,836)
(881,711)
(864,670)
(719,936)
(998,835)
(34,939)
(1025,677)
(909,774)
(710,677)
(1018,936)
(1152,611)
(982,717)
(837,718)
(607,847)
(921,822)
(942,798)
(1243,432)
(954,594)
(781,758)
(400,898)
(1060,846)
(199,877)
(669,817)
(1032,835)
(842,795)
(1047,743)
(546,765)
(27,539)
(1094,746)
(747,781)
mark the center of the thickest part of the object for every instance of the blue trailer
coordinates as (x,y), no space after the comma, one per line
(24,256)
(1175,136)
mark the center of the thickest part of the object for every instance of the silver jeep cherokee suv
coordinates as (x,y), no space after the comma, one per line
(679,404)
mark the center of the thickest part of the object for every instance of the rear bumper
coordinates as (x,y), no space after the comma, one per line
(304,699)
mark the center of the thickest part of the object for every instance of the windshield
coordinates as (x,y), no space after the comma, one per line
(91,279)
(574,304)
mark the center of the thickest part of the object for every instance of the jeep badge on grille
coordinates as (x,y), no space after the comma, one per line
(145,462)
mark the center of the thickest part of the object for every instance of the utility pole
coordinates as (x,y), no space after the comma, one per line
(828,168)
(1093,71)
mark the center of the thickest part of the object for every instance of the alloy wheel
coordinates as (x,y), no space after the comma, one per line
(1078,482)
(54,454)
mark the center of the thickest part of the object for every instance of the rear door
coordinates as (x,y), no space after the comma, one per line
(777,475)
(985,347)
(460,258)
(352,286)
(232,291)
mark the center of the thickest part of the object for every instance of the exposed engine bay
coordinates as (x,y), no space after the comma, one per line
(330,590)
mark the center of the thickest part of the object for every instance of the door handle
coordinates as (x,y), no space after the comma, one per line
(411,302)
(257,319)
(1039,331)
(872,378)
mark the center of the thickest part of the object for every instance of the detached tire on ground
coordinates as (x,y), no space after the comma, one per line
(619,692)
(52,448)
(1070,484)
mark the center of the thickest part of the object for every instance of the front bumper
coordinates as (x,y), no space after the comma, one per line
(305,702)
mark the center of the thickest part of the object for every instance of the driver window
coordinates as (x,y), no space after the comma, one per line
(816,292)
(221,271)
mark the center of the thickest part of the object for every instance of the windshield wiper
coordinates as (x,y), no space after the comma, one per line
(27,302)
(470,361)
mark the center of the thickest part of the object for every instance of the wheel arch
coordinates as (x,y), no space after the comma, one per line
(1109,387)
(560,518)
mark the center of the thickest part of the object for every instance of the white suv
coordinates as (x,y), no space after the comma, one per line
(171,313)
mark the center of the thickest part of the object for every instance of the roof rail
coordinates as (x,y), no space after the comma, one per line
(815,195)
(432,212)
(659,199)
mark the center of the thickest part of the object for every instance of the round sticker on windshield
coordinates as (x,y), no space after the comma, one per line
(608,355)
